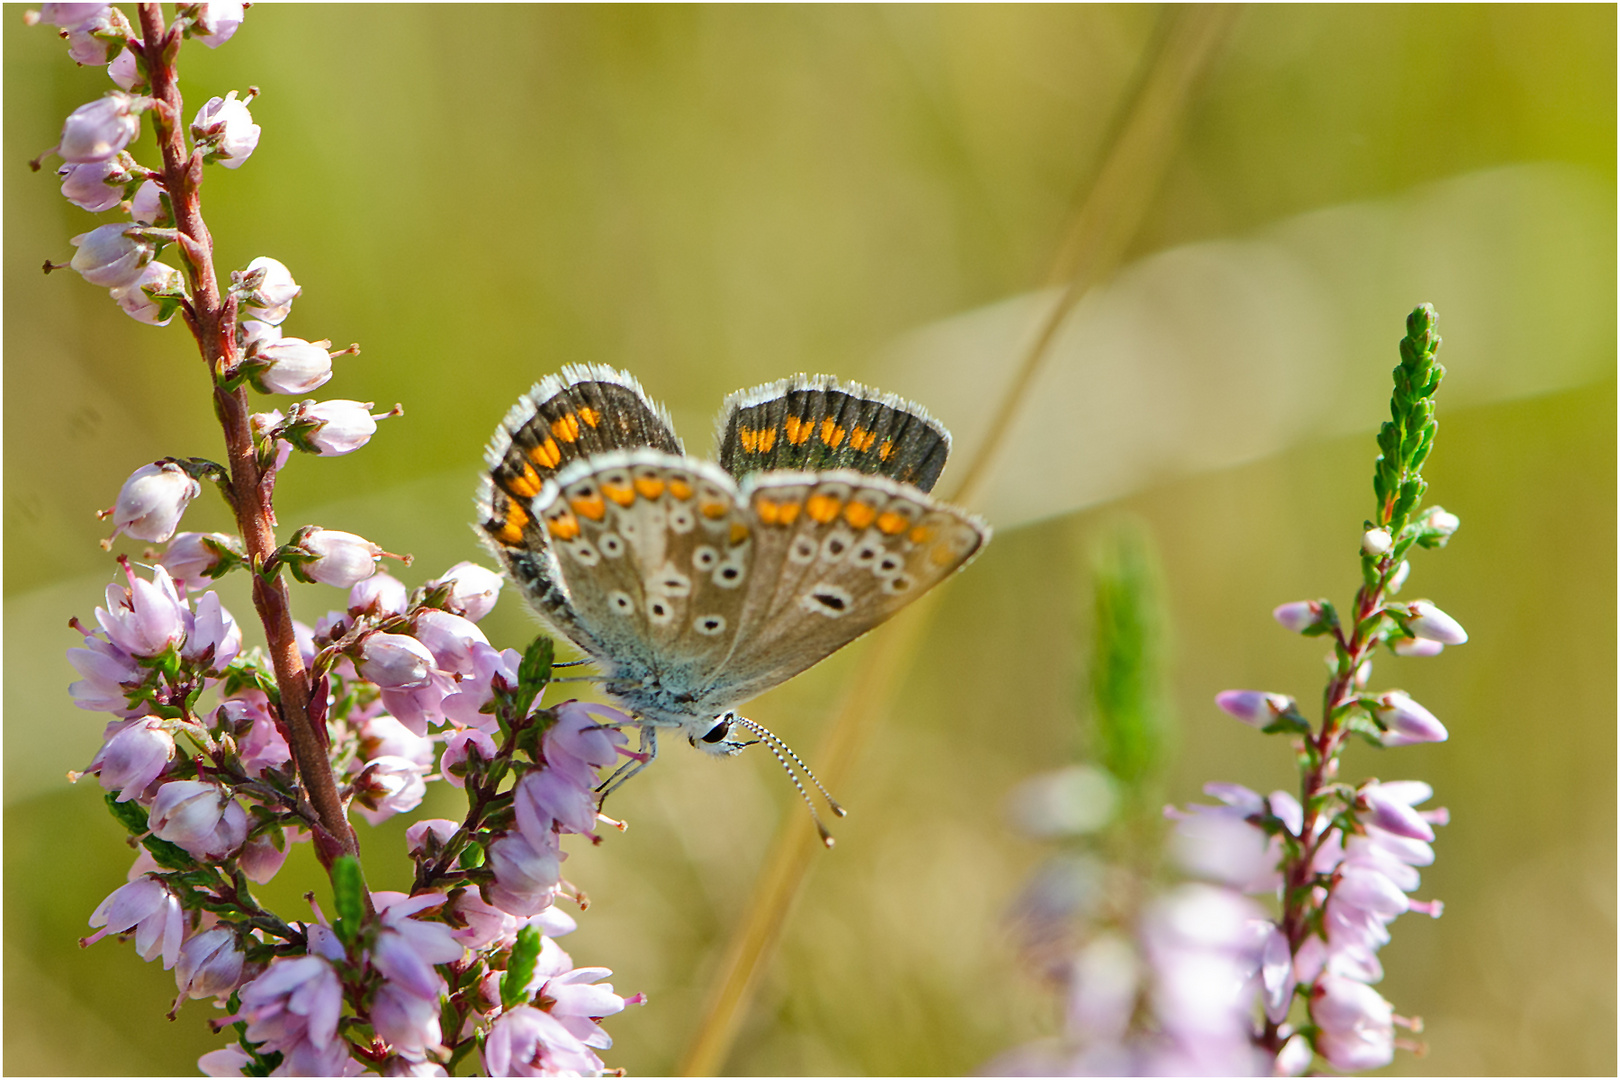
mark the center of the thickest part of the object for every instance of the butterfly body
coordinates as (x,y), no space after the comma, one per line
(697,585)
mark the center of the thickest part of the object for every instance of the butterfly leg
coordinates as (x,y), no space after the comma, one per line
(649,753)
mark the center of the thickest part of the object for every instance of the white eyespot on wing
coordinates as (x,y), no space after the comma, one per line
(681,519)
(660,610)
(890,564)
(833,601)
(619,602)
(899,584)
(803,550)
(671,582)
(709,625)
(837,545)
(583,552)
(867,552)
(729,575)
(705,558)
(611,546)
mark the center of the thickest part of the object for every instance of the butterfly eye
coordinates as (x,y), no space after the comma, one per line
(718,732)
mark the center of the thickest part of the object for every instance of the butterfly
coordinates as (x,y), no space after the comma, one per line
(697,585)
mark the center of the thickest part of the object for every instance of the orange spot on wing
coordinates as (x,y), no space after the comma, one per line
(831,433)
(885,450)
(942,555)
(567,428)
(680,489)
(546,454)
(739,533)
(823,508)
(920,535)
(589,415)
(861,439)
(511,530)
(796,430)
(713,509)
(859,515)
(564,527)
(525,485)
(649,487)
(891,523)
(767,439)
(788,513)
(769,510)
(623,494)
(589,506)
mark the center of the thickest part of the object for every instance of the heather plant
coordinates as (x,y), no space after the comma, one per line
(220,754)
(1252,949)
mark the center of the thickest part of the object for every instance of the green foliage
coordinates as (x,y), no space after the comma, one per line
(348,894)
(520,968)
(1129,718)
(132,817)
(1407,437)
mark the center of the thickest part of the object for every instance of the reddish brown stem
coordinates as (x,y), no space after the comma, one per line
(212,321)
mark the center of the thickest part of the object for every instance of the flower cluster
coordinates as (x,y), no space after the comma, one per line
(1200,980)
(219,756)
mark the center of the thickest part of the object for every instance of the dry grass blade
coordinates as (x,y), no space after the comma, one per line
(1102,227)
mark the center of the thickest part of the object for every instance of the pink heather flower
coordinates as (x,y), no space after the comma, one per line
(110,256)
(394,661)
(294,1006)
(1298,616)
(1294,1058)
(1277,980)
(98,130)
(457,745)
(263,746)
(1357,1024)
(1417,647)
(379,594)
(152,500)
(473,589)
(1103,989)
(384,736)
(261,859)
(407,949)
(1440,521)
(142,300)
(212,637)
(471,695)
(1376,542)
(255,335)
(341,559)
(215,22)
(450,638)
(210,964)
(1389,806)
(584,739)
(94,186)
(527,1042)
(145,619)
(410,1024)
(551,797)
(421,707)
(1253,707)
(1427,621)
(271,300)
(133,756)
(146,906)
(526,874)
(107,669)
(579,1002)
(199,816)
(296,366)
(125,72)
(226,1061)
(93,41)
(1402,715)
(191,555)
(70,17)
(1220,843)
(147,205)
(341,426)
(225,132)
(389,786)
(429,835)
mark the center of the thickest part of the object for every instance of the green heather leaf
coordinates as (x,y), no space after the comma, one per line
(520,967)
(348,892)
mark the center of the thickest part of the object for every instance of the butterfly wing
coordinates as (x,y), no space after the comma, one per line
(584,411)
(816,423)
(834,554)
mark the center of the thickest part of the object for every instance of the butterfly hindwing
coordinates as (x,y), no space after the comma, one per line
(816,423)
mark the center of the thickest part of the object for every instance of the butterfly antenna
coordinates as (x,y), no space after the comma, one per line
(770,738)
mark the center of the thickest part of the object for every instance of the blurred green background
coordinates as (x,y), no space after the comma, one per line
(716,197)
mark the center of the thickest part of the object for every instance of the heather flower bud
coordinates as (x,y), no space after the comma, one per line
(110,256)
(195,558)
(70,17)
(199,816)
(97,39)
(1389,806)
(379,594)
(1402,715)
(224,131)
(213,23)
(295,366)
(94,186)
(1299,616)
(154,297)
(395,662)
(338,558)
(1376,542)
(1417,647)
(152,501)
(473,589)
(388,786)
(1426,621)
(97,131)
(1357,1024)
(1398,578)
(1254,707)
(338,427)
(1438,524)
(147,205)
(124,70)
(210,964)
(272,290)
(133,757)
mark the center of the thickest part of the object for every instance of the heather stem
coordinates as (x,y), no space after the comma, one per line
(212,322)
